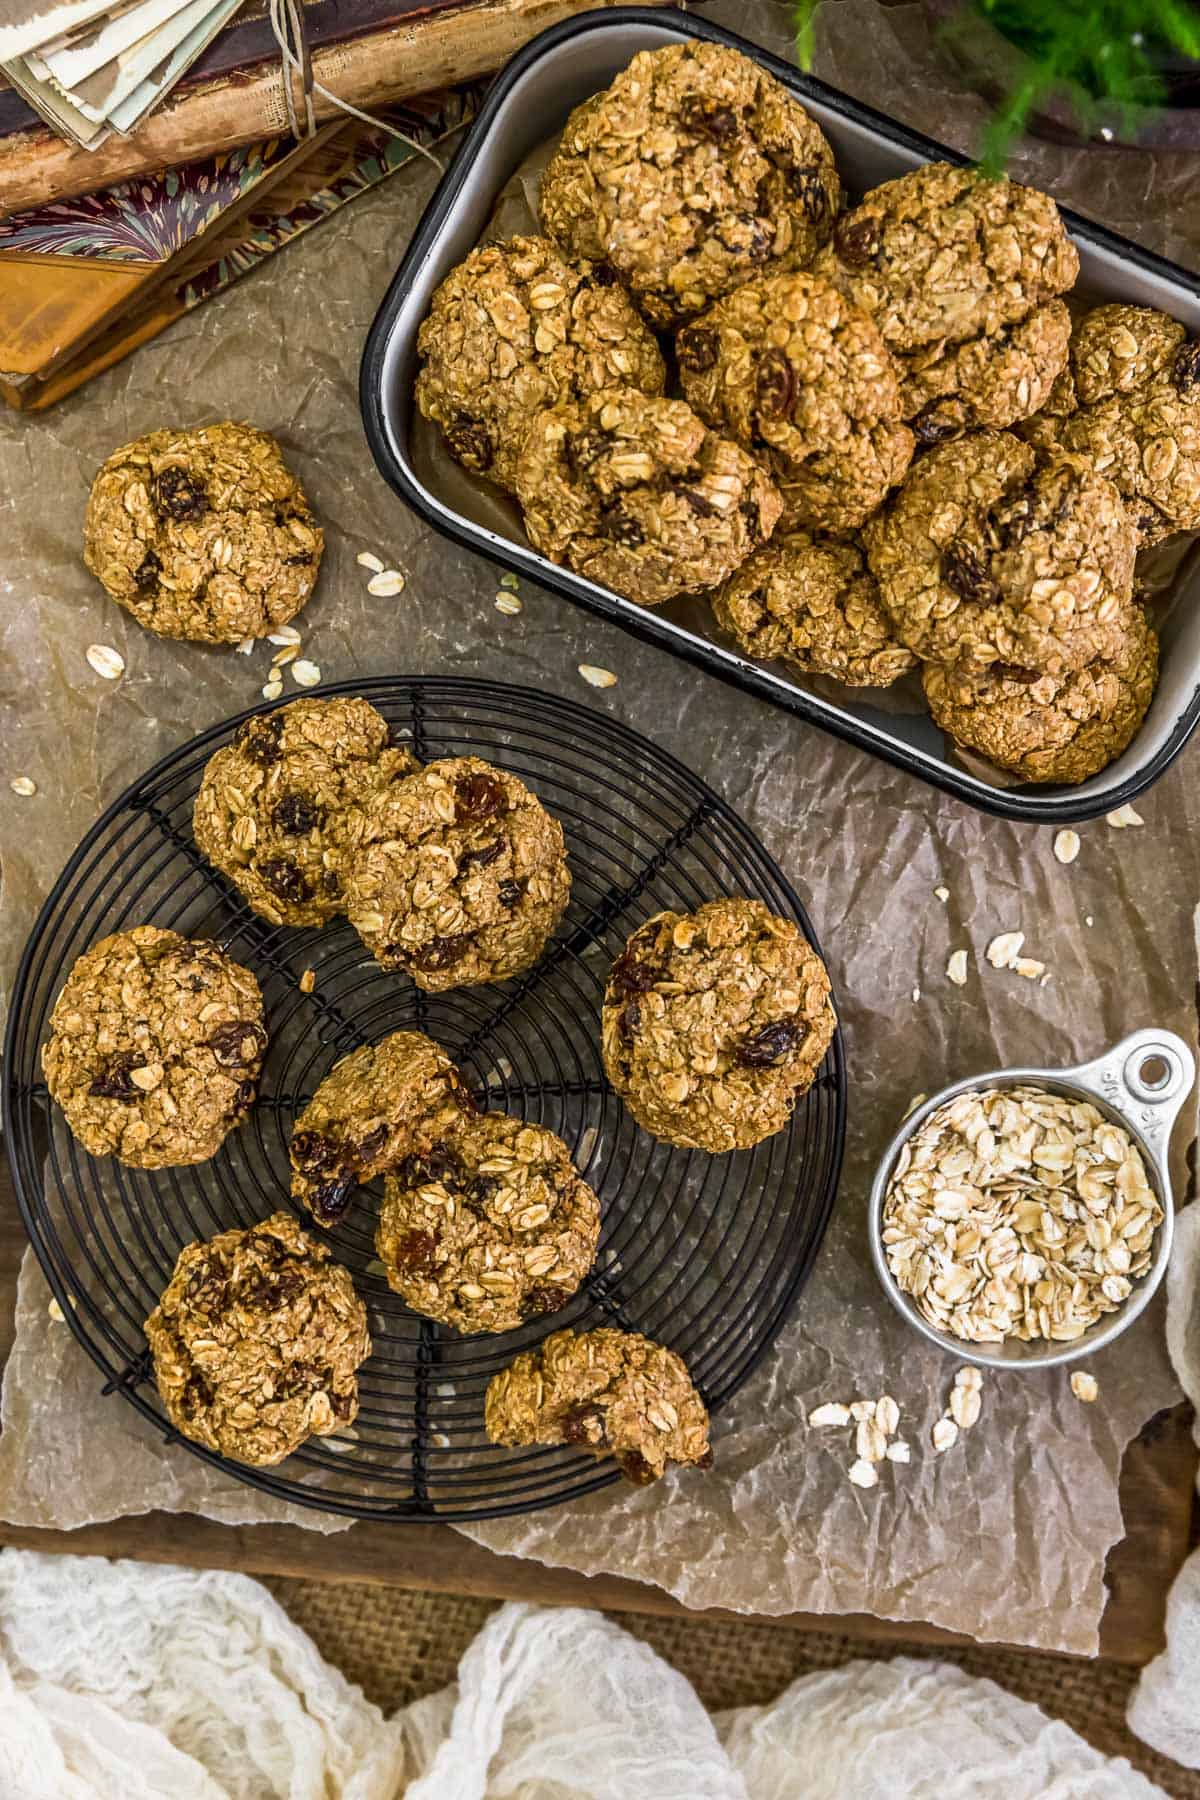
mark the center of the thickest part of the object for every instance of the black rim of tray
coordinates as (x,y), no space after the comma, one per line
(706,1253)
(1053,808)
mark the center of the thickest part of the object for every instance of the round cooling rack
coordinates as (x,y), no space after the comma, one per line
(706,1254)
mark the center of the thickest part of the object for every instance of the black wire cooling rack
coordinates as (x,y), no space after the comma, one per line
(705,1254)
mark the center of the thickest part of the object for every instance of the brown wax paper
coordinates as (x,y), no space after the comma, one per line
(1006,1535)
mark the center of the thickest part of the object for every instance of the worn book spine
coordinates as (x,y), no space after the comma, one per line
(442,48)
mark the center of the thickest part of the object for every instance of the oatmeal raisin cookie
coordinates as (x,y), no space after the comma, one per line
(155,1045)
(1059,728)
(203,534)
(256,1342)
(1132,409)
(272,806)
(606,1391)
(812,601)
(375,1106)
(714,1023)
(491,1227)
(457,874)
(992,552)
(942,254)
(693,171)
(789,368)
(514,329)
(995,379)
(637,495)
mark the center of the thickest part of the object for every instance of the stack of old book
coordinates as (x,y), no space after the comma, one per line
(104,242)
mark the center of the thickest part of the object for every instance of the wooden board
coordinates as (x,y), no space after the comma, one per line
(1157,1484)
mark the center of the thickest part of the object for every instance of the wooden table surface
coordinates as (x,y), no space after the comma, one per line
(1157,1491)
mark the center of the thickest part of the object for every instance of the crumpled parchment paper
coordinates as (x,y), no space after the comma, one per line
(1004,1537)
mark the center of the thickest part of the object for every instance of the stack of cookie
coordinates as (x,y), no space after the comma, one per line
(890,450)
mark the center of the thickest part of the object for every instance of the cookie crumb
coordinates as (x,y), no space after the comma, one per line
(23,785)
(1084,1387)
(916,994)
(308,981)
(56,1312)
(305,674)
(1066,846)
(1124,815)
(942,893)
(509,580)
(246,646)
(106,661)
(598,678)
(956,968)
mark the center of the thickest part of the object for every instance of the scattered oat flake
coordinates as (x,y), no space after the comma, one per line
(601,678)
(969,1377)
(916,995)
(305,673)
(864,1474)
(106,661)
(369,560)
(956,968)
(943,894)
(1089,920)
(899,1452)
(1004,949)
(944,1435)
(246,646)
(308,981)
(1085,1387)
(1029,967)
(287,634)
(272,690)
(386,583)
(966,1403)
(832,1412)
(1124,815)
(887,1414)
(917,1100)
(1066,846)
(869,1442)
(508,604)
(862,1410)
(23,785)
(56,1313)
(283,657)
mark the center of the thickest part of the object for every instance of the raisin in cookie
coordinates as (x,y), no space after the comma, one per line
(812,601)
(611,1392)
(788,367)
(203,534)
(637,495)
(272,806)
(514,329)
(995,379)
(992,552)
(256,1342)
(155,1045)
(693,171)
(1132,409)
(492,1226)
(457,874)
(1059,728)
(943,254)
(374,1107)
(714,1023)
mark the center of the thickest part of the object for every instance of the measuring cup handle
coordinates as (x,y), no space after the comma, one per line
(1147,1076)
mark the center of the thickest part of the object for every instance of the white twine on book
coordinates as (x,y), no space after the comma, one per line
(287,23)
